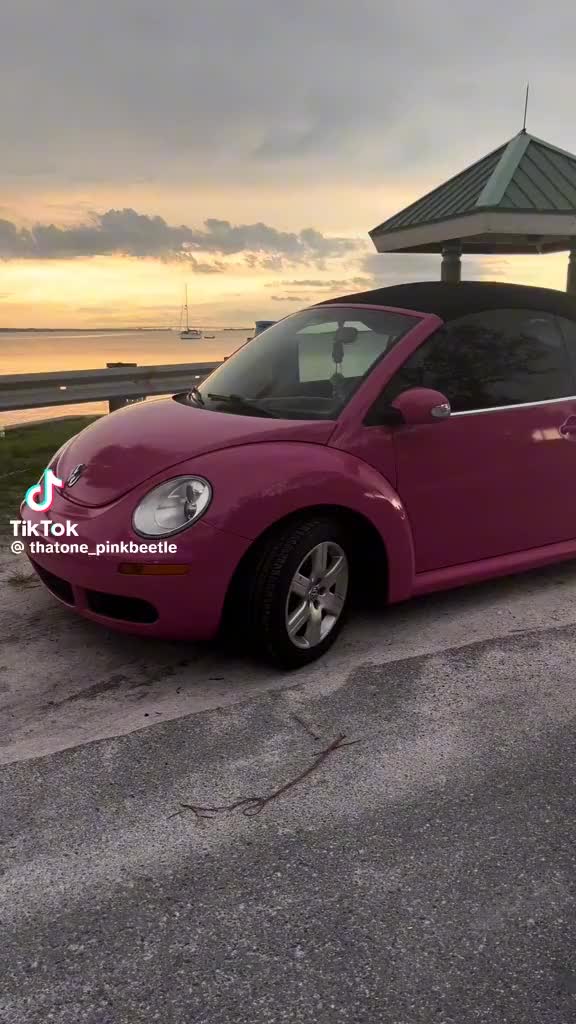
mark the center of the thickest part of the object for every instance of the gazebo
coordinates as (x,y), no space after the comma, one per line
(519,199)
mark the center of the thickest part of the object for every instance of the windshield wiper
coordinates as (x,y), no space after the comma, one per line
(242,403)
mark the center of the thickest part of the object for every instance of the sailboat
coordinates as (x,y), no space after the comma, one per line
(188,332)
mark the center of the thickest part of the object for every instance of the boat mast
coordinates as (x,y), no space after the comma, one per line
(186,307)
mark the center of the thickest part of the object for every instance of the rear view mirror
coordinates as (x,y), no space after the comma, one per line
(346,335)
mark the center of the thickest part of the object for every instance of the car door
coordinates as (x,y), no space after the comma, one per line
(499,475)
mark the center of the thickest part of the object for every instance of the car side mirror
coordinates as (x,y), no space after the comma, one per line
(422,405)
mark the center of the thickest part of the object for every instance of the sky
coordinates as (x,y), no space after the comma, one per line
(247,149)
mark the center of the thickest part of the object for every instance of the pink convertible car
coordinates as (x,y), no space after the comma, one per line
(397,442)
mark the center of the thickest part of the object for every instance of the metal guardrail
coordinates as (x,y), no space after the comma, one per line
(118,385)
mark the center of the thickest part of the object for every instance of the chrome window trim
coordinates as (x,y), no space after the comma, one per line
(505,408)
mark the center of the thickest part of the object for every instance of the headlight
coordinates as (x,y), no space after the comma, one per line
(172,506)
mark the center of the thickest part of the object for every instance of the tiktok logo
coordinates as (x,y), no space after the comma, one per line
(40,496)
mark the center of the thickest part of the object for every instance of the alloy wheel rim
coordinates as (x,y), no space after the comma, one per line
(317,595)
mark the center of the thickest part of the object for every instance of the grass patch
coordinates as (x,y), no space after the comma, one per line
(24,454)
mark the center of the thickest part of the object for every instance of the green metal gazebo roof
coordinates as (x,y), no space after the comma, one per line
(521,198)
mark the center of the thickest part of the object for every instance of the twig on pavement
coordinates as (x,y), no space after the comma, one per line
(253,805)
(305,725)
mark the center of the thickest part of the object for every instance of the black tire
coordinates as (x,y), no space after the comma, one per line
(267,587)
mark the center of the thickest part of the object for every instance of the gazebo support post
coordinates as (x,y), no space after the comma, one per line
(451,272)
(571,279)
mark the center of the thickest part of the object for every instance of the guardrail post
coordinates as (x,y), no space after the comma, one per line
(571,279)
(119,403)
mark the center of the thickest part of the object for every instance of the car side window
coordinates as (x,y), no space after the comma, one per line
(490,359)
(568,331)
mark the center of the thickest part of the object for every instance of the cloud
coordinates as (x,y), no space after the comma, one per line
(143,307)
(235,92)
(317,284)
(207,268)
(126,232)
(328,128)
(289,298)
(221,236)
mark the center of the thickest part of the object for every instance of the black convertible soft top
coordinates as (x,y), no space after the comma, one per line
(450,301)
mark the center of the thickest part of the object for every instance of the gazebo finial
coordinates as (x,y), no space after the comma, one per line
(526,107)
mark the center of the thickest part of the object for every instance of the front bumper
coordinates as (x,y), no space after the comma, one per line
(171,607)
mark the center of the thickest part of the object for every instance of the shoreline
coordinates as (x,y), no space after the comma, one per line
(110,330)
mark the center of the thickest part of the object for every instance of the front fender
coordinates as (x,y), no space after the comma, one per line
(257,485)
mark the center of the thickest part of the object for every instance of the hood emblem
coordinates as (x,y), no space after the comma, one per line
(75,475)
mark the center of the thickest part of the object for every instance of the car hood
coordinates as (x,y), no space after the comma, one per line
(122,450)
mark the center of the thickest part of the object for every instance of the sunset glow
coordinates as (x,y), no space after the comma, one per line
(118,290)
(143,169)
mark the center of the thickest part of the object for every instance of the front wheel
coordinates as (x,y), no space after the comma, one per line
(299,593)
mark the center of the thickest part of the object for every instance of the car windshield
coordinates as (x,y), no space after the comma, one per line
(306,366)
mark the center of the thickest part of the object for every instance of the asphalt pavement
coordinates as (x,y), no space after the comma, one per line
(423,871)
